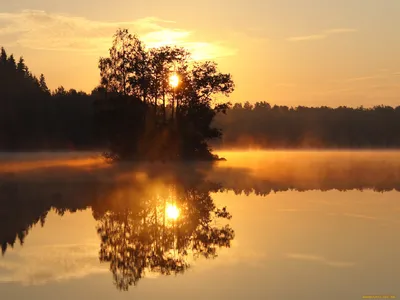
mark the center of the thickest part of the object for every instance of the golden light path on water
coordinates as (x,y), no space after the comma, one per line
(33,161)
(306,224)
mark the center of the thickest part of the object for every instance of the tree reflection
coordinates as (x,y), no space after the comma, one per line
(154,226)
(139,236)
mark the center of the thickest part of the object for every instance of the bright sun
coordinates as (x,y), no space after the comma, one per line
(172,212)
(174,80)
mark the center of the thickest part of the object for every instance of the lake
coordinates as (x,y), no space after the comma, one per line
(261,225)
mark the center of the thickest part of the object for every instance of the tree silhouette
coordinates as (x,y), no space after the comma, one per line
(139,236)
(267,126)
(43,85)
(33,118)
(135,113)
(136,78)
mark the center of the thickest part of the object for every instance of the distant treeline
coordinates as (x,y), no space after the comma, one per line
(34,118)
(150,104)
(263,125)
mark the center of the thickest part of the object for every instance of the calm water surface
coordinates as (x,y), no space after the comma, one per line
(262,225)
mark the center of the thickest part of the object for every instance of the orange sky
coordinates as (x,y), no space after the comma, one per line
(291,52)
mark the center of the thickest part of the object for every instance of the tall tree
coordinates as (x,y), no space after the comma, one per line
(3,56)
(43,85)
(11,62)
(125,70)
(21,67)
(145,75)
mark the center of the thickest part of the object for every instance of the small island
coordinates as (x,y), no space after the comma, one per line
(158,104)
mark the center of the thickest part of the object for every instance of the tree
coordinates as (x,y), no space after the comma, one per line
(21,67)
(310,127)
(125,72)
(32,119)
(3,56)
(60,91)
(163,62)
(11,62)
(43,85)
(139,77)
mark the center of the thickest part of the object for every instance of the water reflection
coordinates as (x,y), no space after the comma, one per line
(266,172)
(150,234)
(147,223)
(154,219)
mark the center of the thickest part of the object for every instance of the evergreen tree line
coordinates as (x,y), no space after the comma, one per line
(137,111)
(34,118)
(263,125)
(150,104)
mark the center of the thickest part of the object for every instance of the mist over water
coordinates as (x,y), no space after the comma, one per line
(271,224)
(305,170)
(298,169)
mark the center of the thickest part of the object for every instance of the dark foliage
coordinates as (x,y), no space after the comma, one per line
(157,103)
(135,113)
(269,126)
(31,118)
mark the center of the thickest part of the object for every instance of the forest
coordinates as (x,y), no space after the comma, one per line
(265,126)
(34,118)
(150,104)
(159,104)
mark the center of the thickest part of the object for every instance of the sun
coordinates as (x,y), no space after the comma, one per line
(174,80)
(172,212)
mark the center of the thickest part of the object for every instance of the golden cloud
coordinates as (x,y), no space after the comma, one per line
(48,31)
(325,34)
(320,259)
(43,264)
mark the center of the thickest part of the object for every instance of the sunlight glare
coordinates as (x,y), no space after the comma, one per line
(172,212)
(174,80)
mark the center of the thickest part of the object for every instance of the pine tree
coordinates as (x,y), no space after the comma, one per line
(11,62)
(21,67)
(43,85)
(3,56)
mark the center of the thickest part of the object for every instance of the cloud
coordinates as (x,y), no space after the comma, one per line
(320,36)
(199,50)
(40,265)
(232,257)
(320,259)
(359,216)
(335,91)
(294,210)
(363,78)
(287,85)
(41,30)
(307,37)
(340,30)
(384,86)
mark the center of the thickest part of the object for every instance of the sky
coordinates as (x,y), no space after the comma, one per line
(286,52)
